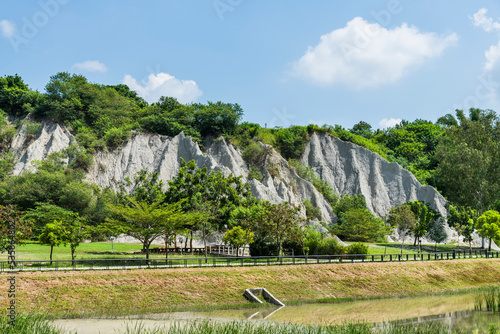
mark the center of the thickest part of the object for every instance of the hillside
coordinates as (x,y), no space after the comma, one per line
(349,168)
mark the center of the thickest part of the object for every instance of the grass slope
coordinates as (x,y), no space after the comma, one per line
(141,291)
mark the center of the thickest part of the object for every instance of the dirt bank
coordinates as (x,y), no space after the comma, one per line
(143,291)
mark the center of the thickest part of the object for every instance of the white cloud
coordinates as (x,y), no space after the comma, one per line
(388,123)
(492,57)
(8,28)
(479,19)
(364,55)
(91,66)
(164,84)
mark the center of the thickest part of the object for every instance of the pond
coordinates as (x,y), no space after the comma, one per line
(456,311)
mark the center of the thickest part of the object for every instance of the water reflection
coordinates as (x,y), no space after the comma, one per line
(454,311)
(468,320)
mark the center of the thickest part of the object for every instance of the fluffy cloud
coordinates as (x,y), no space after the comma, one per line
(8,28)
(492,57)
(91,66)
(388,123)
(164,84)
(364,55)
(479,19)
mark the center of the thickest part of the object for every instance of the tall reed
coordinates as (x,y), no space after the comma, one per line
(490,299)
(250,327)
(28,324)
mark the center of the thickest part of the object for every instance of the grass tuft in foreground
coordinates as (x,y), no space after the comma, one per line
(235,327)
(28,324)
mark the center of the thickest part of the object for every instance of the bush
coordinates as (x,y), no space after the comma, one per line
(330,246)
(254,153)
(312,212)
(357,248)
(254,173)
(292,141)
(321,186)
(263,247)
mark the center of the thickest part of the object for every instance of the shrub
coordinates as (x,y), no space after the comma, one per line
(254,153)
(115,136)
(312,212)
(292,141)
(263,247)
(357,248)
(330,246)
(254,173)
(321,186)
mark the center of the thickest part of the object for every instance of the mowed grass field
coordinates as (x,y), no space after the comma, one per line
(102,250)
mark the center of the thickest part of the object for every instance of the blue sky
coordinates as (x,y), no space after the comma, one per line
(285,62)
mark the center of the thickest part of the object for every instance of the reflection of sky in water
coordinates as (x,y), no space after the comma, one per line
(455,311)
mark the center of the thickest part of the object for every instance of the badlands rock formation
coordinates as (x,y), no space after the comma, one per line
(349,168)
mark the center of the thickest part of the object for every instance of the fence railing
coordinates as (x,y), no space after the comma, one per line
(108,264)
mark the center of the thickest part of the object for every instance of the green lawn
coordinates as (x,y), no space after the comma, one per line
(92,250)
(102,250)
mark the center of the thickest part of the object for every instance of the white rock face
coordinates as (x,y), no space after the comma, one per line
(352,169)
(51,138)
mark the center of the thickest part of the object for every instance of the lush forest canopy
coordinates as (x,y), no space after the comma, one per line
(459,154)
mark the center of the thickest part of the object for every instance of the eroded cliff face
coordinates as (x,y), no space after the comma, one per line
(352,169)
(349,168)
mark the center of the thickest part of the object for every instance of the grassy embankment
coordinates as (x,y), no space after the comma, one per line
(142,291)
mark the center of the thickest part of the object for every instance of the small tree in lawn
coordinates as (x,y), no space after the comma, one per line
(464,220)
(489,224)
(437,232)
(74,234)
(53,235)
(142,220)
(238,237)
(424,217)
(282,221)
(404,219)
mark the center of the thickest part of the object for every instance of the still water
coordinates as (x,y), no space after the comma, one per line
(456,311)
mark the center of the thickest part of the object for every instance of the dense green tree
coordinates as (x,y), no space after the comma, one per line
(144,221)
(74,233)
(347,202)
(360,224)
(363,129)
(279,221)
(469,156)
(425,217)
(238,237)
(292,141)
(489,226)
(414,145)
(45,213)
(463,220)
(198,186)
(15,96)
(312,211)
(210,193)
(11,218)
